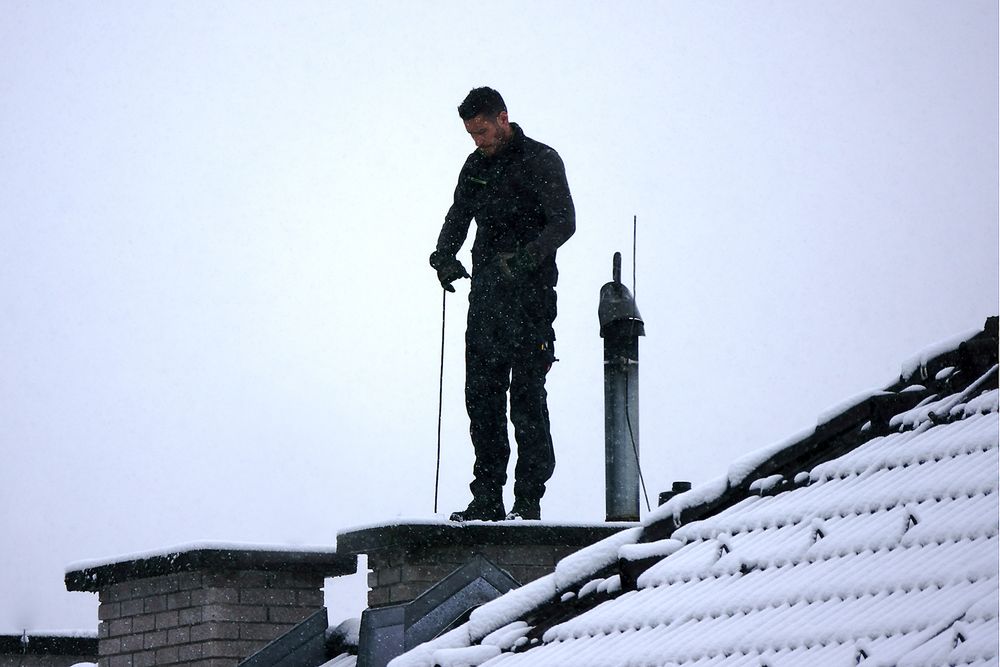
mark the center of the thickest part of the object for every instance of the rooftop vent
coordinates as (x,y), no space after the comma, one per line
(621,326)
(676,488)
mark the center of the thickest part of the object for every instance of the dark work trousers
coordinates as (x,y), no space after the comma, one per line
(509,345)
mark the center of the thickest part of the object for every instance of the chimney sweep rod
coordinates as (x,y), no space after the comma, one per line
(437,468)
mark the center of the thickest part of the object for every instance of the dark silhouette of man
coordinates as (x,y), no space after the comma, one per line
(516,189)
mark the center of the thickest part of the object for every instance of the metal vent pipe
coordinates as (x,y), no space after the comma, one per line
(621,326)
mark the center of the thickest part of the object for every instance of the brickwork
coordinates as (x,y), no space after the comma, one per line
(211,607)
(400,574)
(201,617)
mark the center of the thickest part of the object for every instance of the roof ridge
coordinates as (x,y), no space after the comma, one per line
(840,433)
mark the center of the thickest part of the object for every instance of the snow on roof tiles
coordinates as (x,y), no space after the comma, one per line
(886,554)
(889,547)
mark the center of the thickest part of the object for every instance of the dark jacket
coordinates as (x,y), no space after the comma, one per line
(520,200)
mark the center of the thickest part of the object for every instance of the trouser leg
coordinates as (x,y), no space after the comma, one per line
(530,415)
(486,383)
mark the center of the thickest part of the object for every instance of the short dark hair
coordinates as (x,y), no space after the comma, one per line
(481,101)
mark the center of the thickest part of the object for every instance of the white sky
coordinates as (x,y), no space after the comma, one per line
(217,321)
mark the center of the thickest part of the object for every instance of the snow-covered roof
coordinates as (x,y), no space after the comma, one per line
(872,541)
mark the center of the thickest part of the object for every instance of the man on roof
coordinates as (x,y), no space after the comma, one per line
(516,189)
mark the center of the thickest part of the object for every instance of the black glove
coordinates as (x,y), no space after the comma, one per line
(448,268)
(516,265)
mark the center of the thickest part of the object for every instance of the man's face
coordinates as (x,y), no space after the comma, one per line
(490,134)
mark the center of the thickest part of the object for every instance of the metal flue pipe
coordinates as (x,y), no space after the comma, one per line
(621,326)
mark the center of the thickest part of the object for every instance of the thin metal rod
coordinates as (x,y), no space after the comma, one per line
(437,469)
(635,228)
(635,448)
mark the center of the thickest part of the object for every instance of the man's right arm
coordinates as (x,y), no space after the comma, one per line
(457,220)
(453,234)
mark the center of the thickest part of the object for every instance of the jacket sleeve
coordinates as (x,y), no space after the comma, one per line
(457,220)
(556,203)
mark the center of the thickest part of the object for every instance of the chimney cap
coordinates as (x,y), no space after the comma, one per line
(617,305)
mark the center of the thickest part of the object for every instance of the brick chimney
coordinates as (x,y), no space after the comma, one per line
(210,605)
(425,575)
(406,559)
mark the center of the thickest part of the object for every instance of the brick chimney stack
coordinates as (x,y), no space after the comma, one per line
(210,605)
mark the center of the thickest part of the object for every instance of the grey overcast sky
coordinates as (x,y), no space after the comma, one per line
(217,321)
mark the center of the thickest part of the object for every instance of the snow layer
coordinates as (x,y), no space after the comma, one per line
(467,656)
(205,545)
(699,495)
(443,520)
(348,631)
(889,555)
(589,560)
(71,634)
(844,406)
(659,548)
(507,636)
(918,361)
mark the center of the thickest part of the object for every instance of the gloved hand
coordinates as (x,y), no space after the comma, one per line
(515,265)
(448,268)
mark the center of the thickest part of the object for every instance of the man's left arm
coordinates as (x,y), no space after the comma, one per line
(556,203)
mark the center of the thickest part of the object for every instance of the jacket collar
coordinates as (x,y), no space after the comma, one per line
(514,146)
(516,138)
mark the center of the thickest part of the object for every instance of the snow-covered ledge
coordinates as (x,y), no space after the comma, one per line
(207,602)
(407,557)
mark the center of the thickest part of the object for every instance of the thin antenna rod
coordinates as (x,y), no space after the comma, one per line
(635,227)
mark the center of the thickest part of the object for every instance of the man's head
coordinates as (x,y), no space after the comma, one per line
(485,117)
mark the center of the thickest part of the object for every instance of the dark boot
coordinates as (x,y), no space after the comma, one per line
(481,509)
(529,510)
